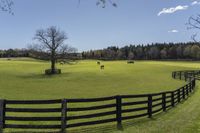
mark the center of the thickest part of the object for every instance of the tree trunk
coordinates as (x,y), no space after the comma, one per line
(53,61)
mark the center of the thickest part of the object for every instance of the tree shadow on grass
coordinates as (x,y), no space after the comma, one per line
(107,128)
(42,76)
(113,127)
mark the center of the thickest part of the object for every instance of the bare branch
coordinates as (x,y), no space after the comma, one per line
(102,3)
(194,23)
(6,6)
(66,49)
(193,37)
(42,38)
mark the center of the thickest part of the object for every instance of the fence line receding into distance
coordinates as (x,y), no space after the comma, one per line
(111,109)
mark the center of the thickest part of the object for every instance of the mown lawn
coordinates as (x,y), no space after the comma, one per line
(24,79)
(21,79)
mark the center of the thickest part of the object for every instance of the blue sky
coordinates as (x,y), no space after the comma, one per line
(91,27)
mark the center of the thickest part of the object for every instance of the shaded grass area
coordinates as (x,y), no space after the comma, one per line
(24,79)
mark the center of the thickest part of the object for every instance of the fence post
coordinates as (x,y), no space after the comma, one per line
(187,90)
(183,92)
(190,89)
(164,101)
(150,106)
(172,99)
(173,74)
(179,95)
(194,83)
(63,116)
(2,115)
(119,111)
(190,85)
(180,75)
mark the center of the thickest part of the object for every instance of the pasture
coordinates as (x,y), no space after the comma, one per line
(23,78)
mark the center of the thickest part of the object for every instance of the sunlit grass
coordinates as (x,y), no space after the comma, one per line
(24,79)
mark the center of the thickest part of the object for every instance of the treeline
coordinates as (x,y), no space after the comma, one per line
(14,53)
(154,51)
(9,53)
(46,55)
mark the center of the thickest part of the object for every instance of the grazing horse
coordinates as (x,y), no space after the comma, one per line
(102,66)
(130,62)
(98,62)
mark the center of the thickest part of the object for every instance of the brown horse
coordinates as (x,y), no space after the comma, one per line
(102,66)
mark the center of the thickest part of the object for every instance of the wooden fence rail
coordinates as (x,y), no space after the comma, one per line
(119,108)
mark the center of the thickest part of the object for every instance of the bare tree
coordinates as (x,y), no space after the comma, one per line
(6,6)
(194,23)
(52,41)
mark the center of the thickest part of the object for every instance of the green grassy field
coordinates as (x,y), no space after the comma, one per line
(24,79)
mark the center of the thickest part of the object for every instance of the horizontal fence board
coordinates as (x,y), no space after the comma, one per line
(12,118)
(33,101)
(135,96)
(134,103)
(134,116)
(134,110)
(157,99)
(176,93)
(168,92)
(168,101)
(91,99)
(33,126)
(91,123)
(91,108)
(33,110)
(168,106)
(157,110)
(91,115)
(176,97)
(158,104)
(168,97)
(176,102)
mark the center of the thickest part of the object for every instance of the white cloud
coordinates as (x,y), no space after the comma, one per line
(172,9)
(195,3)
(173,31)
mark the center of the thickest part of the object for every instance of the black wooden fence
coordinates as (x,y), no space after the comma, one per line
(145,105)
(186,75)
